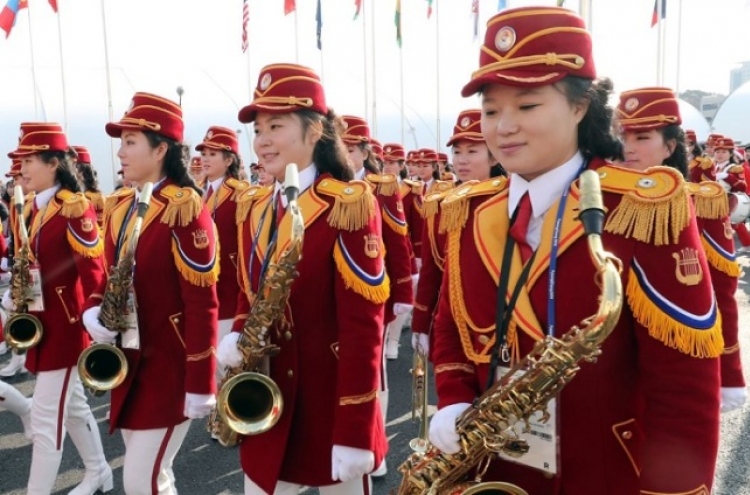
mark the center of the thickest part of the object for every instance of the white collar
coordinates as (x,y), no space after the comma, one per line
(545,189)
(306,179)
(42,198)
(361,174)
(216,184)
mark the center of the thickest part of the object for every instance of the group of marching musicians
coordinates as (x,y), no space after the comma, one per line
(489,259)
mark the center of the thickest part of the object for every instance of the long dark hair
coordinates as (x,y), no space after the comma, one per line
(234,167)
(175,161)
(65,173)
(87,176)
(595,137)
(371,165)
(329,155)
(679,157)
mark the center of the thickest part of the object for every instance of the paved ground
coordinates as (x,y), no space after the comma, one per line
(203,467)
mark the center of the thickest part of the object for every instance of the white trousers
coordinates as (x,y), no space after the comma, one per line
(149,455)
(225,327)
(58,400)
(361,486)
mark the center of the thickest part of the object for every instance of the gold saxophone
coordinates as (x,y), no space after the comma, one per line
(249,402)
(103,366)
(486,428)
(22,330)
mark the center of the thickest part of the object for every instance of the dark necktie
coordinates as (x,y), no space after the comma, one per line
(520,227)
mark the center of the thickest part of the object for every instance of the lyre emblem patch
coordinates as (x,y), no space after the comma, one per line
(87,224)
(372,246)
(688,266)
(200,239)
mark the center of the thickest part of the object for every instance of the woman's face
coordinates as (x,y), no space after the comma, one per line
(472,160)
(214,163)
(280,140)
(721,155)
(392,167)
(357,157)
(425,170)
(264,178)
(37,175)
(413,169)
(530,130)
(139,161)
(644,149)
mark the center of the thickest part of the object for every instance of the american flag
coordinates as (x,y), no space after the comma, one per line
(245,19)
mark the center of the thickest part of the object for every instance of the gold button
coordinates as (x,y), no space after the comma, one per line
(483,339)
(290,373)
(72,320)
(496,183)
(627,435)
(288,335)
(549,476)
(178,195)
(348,190)
(59,291)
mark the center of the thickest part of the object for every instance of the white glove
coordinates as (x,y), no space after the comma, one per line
(443,428)
(420,341)
(98,332)
(415,279)
(401,308)
(4,264)
(8,302)
(722,175)
(348,463)
(198,405)
(732,398)
(419,263)
(228,355)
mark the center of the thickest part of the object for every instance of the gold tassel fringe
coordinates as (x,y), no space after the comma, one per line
(84,250)
(431,208)
(74,206)
(352,215)
(183,211)
(388,188)
(711,208)
(201,279)
(454,214)
(657,221)
(378,294)
(674,334)
(716,260)
(396,227)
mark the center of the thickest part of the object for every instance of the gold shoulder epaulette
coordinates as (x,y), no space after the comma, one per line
(96,199)
(239,186)
(455,205)
(354,203)
(416,185)
(736,169)
(703,162)
(73,204)
(431,203)
(111,200)
(655,205)
(386,184)
(245,199)
(184,205)
(710,199)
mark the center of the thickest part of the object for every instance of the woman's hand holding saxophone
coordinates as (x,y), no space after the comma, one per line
(98,332)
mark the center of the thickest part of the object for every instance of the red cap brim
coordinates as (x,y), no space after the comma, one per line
(519,78)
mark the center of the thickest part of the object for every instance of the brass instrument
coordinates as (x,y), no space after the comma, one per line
(419,400)
(22,330)
(486,428)
(103,366)
(249,402)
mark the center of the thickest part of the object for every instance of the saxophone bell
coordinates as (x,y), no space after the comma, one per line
(250,403)
(23,331)
(102,367)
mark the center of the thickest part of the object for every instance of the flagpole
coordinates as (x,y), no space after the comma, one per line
(401,79)
(62,72)
(364,62)
(109,90)
(33,66)
(679,49)
(659,42)
(374,73)
(586,14)
(296,37)
(437,70)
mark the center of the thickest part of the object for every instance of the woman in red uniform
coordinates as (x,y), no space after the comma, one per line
(613,427)
(649,120)
(170,347)
(221,166)
(65,252)
(427,167)
(88,178)
(330,432)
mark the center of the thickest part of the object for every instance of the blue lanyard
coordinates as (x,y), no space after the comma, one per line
(39,232)
(269,249)
(551,286)
(123,227)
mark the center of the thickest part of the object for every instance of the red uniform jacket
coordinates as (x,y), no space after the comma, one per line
(97,201)
(222,205)
(174,282)
(328,368)
(64,241)
(412,193)
(649,407)
(735,178)
(398,254)
(717,238)
(701,169)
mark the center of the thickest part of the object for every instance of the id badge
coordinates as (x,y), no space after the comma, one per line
(542,438)
(131,337)
(37,298)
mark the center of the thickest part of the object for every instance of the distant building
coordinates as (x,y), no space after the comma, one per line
(739,76)
(710,105)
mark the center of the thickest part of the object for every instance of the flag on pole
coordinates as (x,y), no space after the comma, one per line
(289,6)
(245,20)
(502,5)
(53,4)
(475,14)
(8,14)
(397,22)
(429,8)
(655,15)
(319,26)
(358,6)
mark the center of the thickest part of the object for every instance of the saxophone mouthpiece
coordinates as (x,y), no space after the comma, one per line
(591,208)
(144,198)
(291,182)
